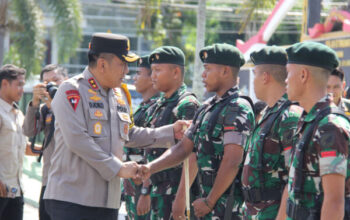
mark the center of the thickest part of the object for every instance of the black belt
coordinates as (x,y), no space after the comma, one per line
(209,179)
(257,195)
(300,212)
(173,175)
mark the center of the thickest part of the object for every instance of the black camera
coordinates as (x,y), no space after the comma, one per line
(51,88)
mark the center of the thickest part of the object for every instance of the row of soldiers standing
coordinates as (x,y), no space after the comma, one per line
(291,162)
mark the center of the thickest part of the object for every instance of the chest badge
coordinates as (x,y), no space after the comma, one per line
(97,128)
(98,113)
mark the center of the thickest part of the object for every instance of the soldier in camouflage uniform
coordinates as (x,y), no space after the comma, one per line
(218,135)
(132,191)
(265,169)
(319,174)
(336,86)
(175,103)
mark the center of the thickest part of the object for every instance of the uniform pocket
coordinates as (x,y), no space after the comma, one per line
(124,123)
(98,123)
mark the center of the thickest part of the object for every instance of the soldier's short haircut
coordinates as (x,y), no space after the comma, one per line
(234,70)
(182,69)
(48,68)
(339,72)
(319,74)
(10,72)
(278,72)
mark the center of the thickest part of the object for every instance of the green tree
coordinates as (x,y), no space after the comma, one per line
(23,19)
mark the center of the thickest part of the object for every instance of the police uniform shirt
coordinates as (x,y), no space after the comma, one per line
(12,146)
(91,128)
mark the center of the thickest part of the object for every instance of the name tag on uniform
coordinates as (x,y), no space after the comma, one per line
(124,117)
(96,105)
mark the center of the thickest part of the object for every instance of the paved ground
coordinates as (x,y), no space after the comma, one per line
(31,180)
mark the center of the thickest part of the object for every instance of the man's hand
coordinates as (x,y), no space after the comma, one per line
(178,208)
(144,171)
(180,127)
(201,207)
(143,205)
(3,191)
(128,170)
(39,92)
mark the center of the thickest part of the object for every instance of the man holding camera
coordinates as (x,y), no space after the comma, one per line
(40,118)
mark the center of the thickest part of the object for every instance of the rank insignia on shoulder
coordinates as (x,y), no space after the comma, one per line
(97,128)
(95,98)
(73,97)
(93,83)
(98,113)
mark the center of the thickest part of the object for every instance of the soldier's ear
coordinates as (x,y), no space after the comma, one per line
(304,75)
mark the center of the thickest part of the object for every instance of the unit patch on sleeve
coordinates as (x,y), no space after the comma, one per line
(73,97)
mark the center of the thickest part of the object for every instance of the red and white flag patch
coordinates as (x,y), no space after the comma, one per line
(332,153)
(73,97)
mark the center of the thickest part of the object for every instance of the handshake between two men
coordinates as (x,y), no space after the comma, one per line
(139,172)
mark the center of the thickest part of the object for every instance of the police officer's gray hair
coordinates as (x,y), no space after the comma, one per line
(51,67)
(92,58)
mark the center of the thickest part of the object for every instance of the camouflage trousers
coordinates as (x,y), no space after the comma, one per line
(261,211)
(161,206)
(131,197)
(218,213)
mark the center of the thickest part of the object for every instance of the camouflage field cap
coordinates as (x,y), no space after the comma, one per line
(143,62)
(269,55)
(167,54)
(224,54)
(313,54)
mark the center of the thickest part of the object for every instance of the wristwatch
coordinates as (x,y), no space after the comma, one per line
(145,190)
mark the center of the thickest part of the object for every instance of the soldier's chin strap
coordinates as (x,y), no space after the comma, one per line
(124,87)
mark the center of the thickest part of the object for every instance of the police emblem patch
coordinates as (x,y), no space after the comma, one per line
(73,97)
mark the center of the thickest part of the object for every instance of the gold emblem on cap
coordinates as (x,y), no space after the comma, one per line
(157,56)
(205,55)
(128,46)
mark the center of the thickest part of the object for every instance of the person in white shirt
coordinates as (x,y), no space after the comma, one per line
(13,142)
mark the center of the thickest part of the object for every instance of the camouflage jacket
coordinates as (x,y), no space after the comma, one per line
(136,154)
(276,155)
(234,125)
(140,116)
(185,109)
(326,153)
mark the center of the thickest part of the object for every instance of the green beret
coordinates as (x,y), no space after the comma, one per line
(116,44)
(313,54)
(224,54)
(167,54)
(269,55)
(143,62)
